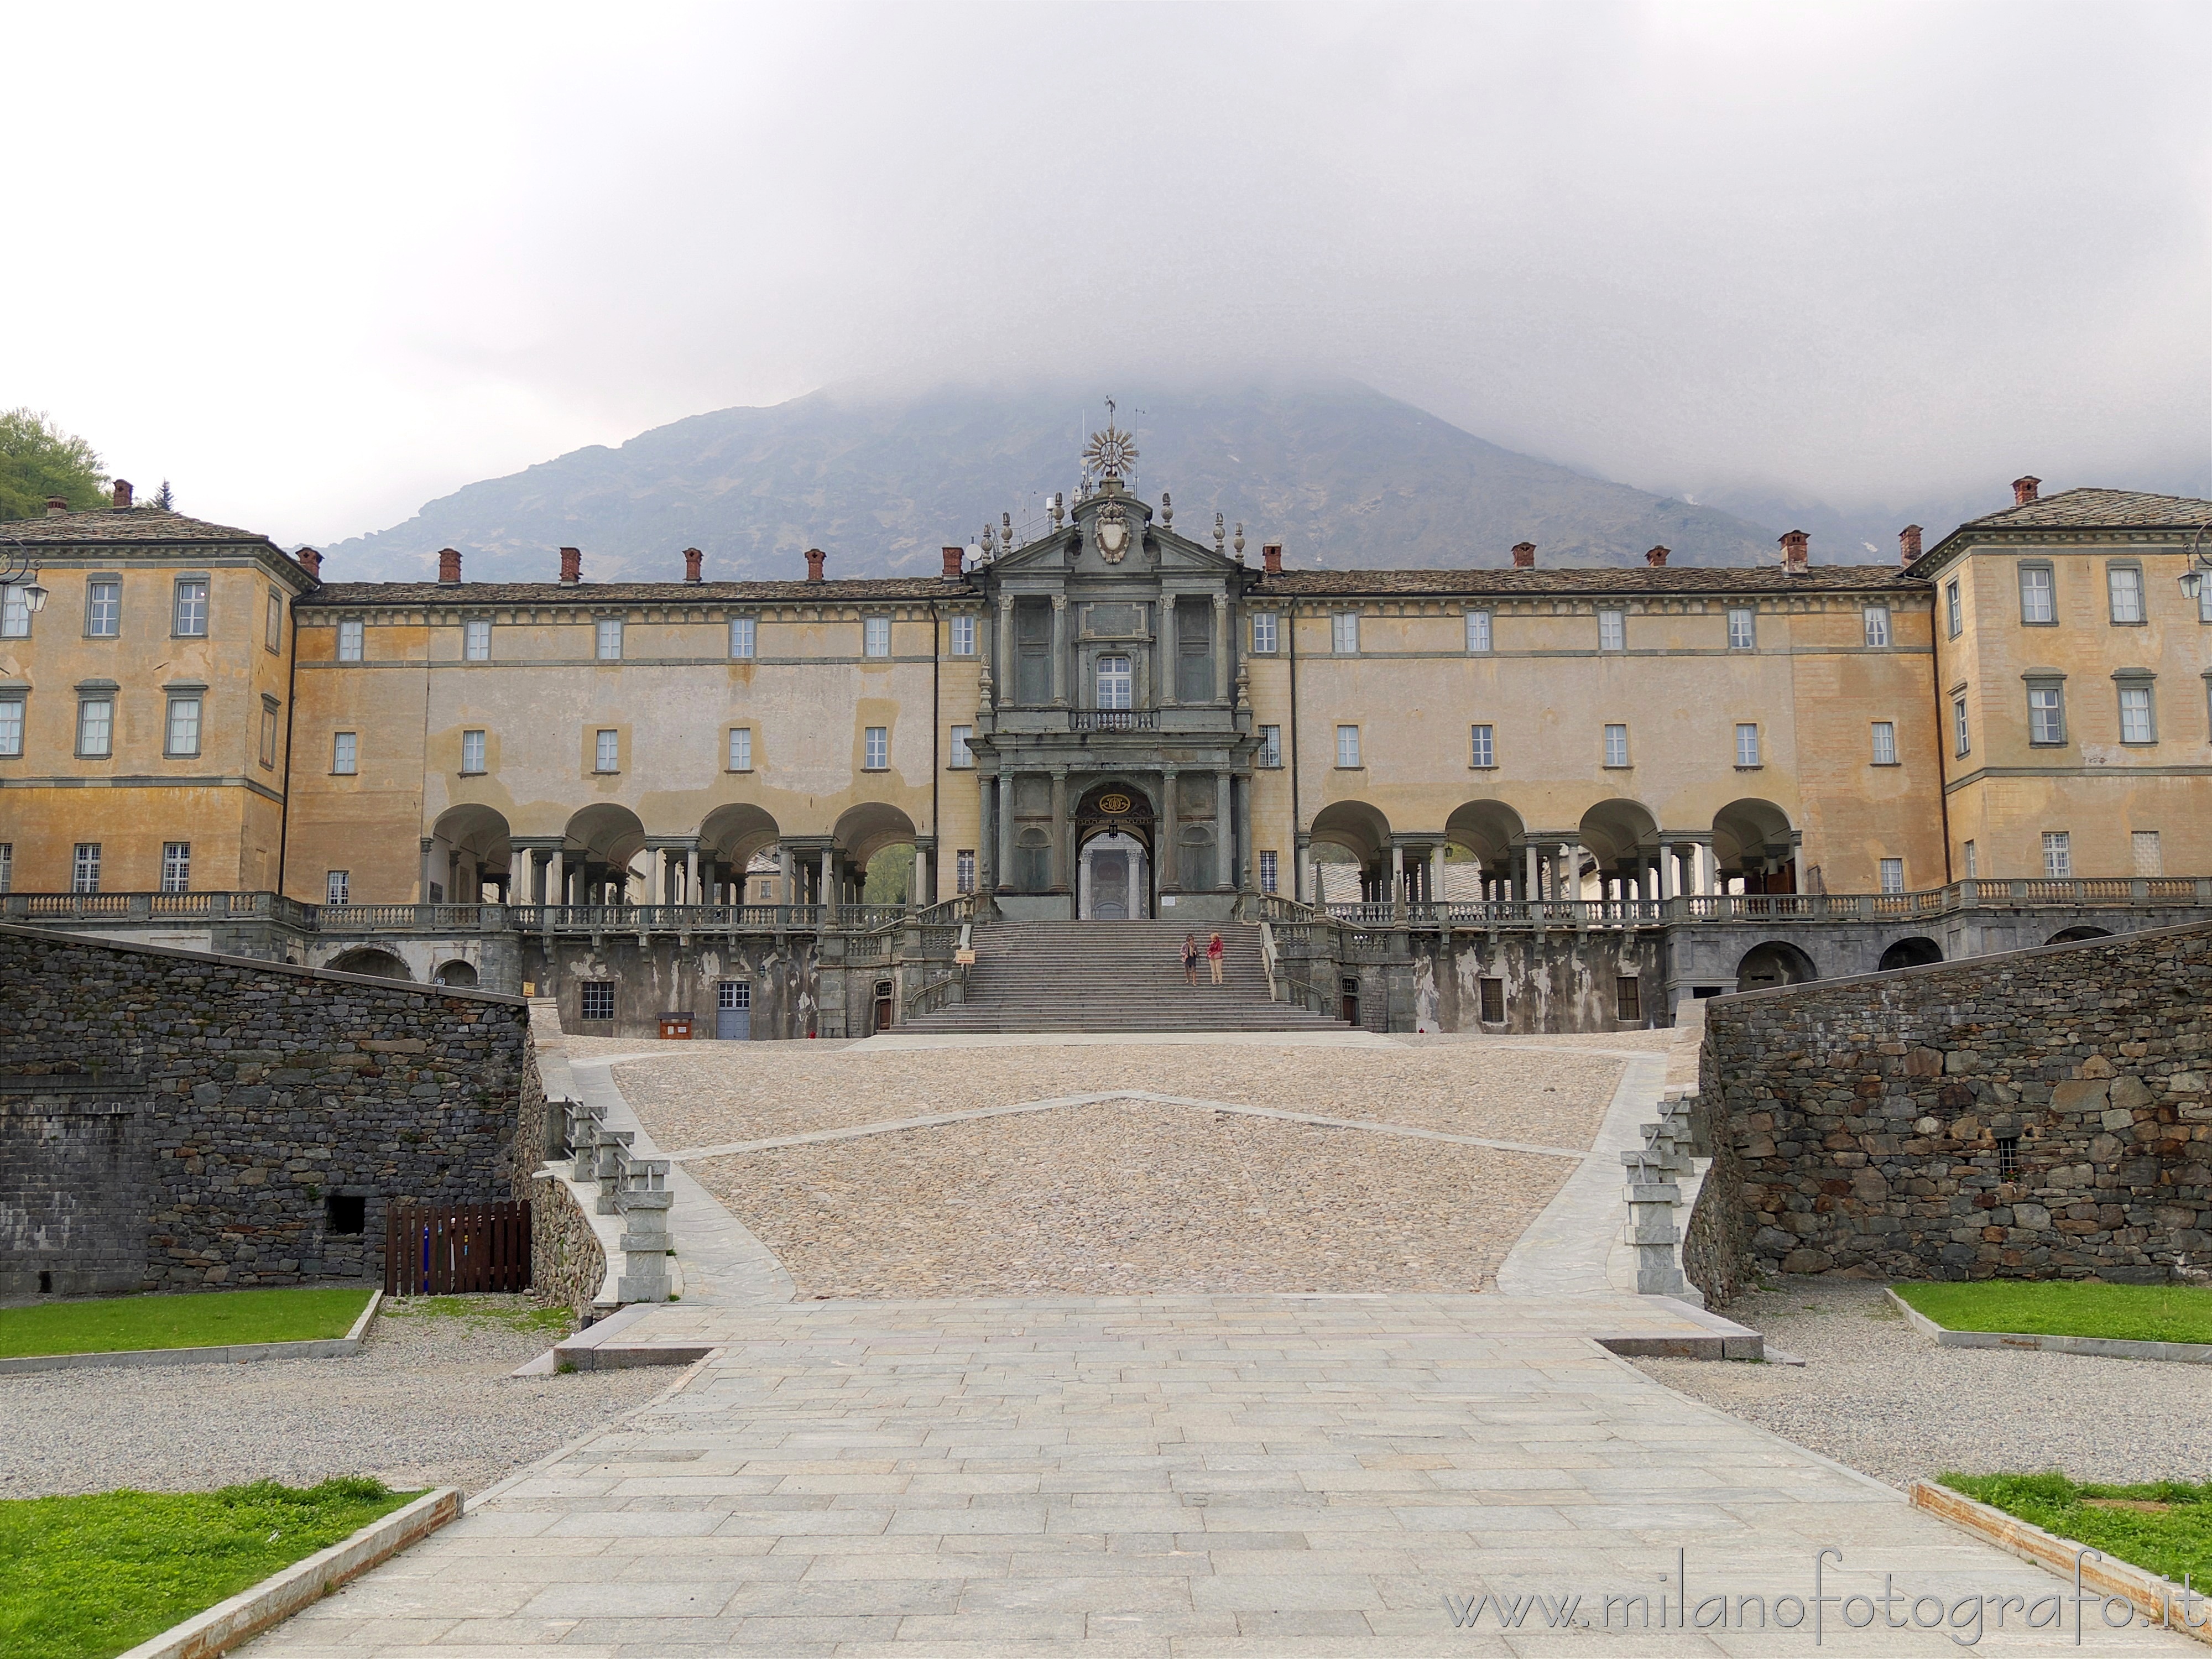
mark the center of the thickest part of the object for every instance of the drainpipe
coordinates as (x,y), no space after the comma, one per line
(1942,732)
(1297,860)
(937,857)
(291,705)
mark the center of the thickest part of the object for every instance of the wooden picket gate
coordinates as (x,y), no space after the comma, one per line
(445,1249)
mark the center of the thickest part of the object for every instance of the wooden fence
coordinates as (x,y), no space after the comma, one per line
(445,1249)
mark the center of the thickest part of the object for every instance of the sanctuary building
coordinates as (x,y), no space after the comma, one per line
(1102,719)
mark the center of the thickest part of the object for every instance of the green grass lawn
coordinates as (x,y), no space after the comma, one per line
(87,1578)
(2053,1307)
(208,1320)
(2169,1541)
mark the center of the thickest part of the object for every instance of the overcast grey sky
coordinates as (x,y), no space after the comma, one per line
(318,265)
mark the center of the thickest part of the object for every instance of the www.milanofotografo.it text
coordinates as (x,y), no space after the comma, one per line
(1965,1617)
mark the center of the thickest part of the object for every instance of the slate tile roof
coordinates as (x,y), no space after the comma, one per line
(148,526)
(2099,509)
(852,590)
(1636,580)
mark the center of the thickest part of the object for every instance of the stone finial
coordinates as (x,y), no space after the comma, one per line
(1006,531)
(1220,532)
(1239,542)
(1167,511)
(1059,506)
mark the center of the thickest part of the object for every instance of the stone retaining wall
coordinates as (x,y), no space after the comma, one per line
(172,1120)
(2039,1113)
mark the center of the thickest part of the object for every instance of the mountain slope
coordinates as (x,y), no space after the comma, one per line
(1341,474)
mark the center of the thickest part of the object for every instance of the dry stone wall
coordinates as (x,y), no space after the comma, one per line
(175,1121)
(2040,1114)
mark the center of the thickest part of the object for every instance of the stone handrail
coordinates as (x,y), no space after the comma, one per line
(635,1188)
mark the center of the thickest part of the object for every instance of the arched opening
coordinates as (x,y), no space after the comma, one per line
(874,855)
(2075,935)
(1775,963)
(738,858)
(1915,952)
(470,856)
(1486,835)
(371,961)
(1350,833)
(456,973)
(1114,832)
(603,842)
(1753,847)
(1622,840)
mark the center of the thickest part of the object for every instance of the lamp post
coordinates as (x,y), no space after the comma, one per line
(20,570)
(2193,568)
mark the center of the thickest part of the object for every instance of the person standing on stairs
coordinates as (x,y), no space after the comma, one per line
(1213,955)
(1190,960)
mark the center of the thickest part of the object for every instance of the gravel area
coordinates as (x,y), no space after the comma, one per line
(1128,1197)
(428,1401)
(1878,1396)
(713,1094)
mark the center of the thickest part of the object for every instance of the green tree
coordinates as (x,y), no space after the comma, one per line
(890,873)
(39,459)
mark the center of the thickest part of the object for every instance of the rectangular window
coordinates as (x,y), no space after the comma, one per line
(608,638)
(15,614)
(1263,633)
(11,725)
(191,608)
(337,887)
(2037,603)
(2057,855)
(1116,684)
(741,749)
(176,866)
(1478,631)
(184,732)
(1484,751)
(964,871)
(2135,726)
(745,635)
(1628,999)
(351,632)
(964,636)
(103,608)
(599,999)
(1877,626)
(1493,1002)
(2046,714)
(1746,745)
(962,754)
(96,728)
(475,640)
(1893,875)
(1347,745)
(1266,872)
(606,752)
(269,734)
(473,751)
(2124,583)
(272,632)
(1960,743)
(84,868)
(1743,629)
(1612,630)
(1271,747)
(1973,862)
(2143,844)
(345,753)
(7,866)
(1885,742)
(876,636)
(1344,633)
(1953,616)
(876,747)
(1616,745)
(2204,602)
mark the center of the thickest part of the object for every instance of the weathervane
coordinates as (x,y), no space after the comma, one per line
(1113,451)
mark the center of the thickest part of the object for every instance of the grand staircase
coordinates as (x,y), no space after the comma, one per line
(1114,976)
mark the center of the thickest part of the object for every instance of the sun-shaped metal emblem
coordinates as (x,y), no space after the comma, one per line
(1113,453)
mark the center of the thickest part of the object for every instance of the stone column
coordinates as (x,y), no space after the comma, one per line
(783,873)
(1225,830)
(987,833)
(1005,831)
(1060,871)
(1221,647)
(1670,872)
(556,888)
(1397,896)
(1060,650)
(1301,855)
(691,895)
(828,896)
(1171,855)
(1528,892)
(1168,650)
(1007,689)
(1248,860)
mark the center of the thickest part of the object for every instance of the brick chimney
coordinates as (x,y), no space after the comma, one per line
(1908,544)
(2023,490)
(1271,558)
(814,558)
(310,562)
(1796,552)
(122,492)
(692,559)
(1657,558)
(572,565)
(952,557)
(1524,555)
(56,506)
(449,567)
